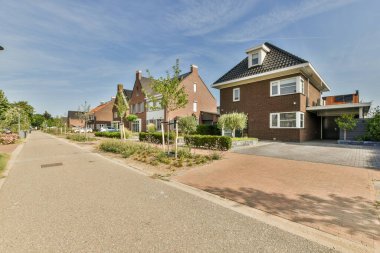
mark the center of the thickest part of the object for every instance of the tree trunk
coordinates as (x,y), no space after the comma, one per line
(176,139)
(344,134)
(163,136)
(233,133)
(168,136)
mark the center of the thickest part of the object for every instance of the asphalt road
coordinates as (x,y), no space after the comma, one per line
(90,204)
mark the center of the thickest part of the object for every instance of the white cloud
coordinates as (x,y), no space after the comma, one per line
(281,17)
(200,17)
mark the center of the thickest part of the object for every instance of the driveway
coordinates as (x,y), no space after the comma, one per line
(332,198)
(319,152)
(60,198)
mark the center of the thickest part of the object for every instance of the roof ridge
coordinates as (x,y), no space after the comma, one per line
(285,52)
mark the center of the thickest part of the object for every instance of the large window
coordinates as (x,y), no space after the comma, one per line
(287,120)
(287,86)
(236,94)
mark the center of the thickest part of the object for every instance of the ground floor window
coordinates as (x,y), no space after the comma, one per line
(136,126)
(287,120)
(155,122)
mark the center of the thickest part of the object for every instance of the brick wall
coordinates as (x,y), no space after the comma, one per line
(255,100)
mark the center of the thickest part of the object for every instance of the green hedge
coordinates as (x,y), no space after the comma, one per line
(208,130)
(209,142)
(155,137)
(108,134)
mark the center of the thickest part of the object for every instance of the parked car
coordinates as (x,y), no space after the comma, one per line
(85,130)
(108,129)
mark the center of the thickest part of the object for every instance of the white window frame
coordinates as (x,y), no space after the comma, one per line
(299,116)
(195,87)
(258,58)
(300,86)
(195,106)
(233,95)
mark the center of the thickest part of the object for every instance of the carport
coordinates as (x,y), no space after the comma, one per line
(328,114)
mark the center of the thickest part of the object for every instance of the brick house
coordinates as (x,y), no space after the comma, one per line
(74,119)
(279,91)
(102,115)
(115,117)
(202,103)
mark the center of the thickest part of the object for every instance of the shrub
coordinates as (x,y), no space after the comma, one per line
(151,128)
(108,134)
(187,124)
(6,139)
(154,137)
(209,142)
(79,137)
(208,130)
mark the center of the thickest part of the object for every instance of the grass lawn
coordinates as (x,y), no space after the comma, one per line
(3,162)
(244,139)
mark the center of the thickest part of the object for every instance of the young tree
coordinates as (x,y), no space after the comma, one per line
(122,110)
(347,122)
(15,119)
(173,94)
(25,107)
(38,120)
(188,124)
(233,121)
(83,114)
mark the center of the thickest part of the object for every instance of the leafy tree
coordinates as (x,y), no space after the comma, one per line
(25,107)
(373,125)
(47,115)
(173,94)
(15,119)
(4,104)
(122,110)
(233,121)
(38,120)
(347,122)
(188,124)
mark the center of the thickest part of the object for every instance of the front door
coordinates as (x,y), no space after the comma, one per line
(330,128)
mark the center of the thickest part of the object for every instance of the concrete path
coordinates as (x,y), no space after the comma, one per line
(59,198)
(319,152)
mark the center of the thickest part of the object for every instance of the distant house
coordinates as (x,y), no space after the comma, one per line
(74,119)
(202,103)
(102,115)
(281,93)
(115,117)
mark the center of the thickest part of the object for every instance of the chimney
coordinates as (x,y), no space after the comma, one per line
(138,74)
(120,87)
(194,69)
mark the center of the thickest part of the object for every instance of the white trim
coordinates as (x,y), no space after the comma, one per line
(298,120)
(262,46)
(233,95)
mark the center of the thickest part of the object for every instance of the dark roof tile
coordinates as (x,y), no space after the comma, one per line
(277,58)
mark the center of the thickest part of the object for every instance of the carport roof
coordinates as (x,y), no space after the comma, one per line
(340,107)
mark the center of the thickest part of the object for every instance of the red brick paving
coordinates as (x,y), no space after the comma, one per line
(333,198)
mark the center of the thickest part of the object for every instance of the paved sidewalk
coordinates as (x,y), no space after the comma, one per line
(335,199)
(319,152)
(59,198)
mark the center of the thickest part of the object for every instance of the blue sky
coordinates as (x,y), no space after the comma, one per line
(61,53)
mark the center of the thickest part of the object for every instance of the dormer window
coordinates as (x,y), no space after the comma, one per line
(256,55)
(255,59)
